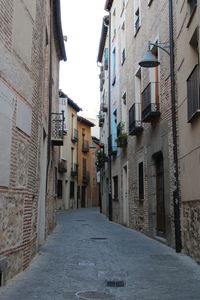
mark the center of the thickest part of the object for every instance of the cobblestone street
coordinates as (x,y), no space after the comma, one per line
(88,257)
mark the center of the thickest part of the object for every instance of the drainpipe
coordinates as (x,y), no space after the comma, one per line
(176,193)
(50,99)
(110,213)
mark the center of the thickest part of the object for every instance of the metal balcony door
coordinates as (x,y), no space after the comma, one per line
(161,223)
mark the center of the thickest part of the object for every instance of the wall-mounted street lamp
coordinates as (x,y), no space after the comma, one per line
(150,61)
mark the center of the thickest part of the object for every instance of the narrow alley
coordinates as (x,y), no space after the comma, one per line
(88,257)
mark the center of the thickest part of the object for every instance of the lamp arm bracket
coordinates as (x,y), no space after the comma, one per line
(161,47)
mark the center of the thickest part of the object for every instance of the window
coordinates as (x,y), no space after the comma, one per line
(149,2)
(193,94)
(138,84)
(193,101)
(115,188)
(123,43)
(59,189)
(137,16)
(113,66)
(113,24)
(192,5)
(124,111)
(141,180)
(71,189)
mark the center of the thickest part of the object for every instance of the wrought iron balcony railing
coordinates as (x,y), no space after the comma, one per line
(150,102)
(57,128)
(62,166)
(193,97)
(74,170)
(86,177)
(75,135)
(135,123)
(85,146)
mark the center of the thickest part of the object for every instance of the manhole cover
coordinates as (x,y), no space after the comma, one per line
(116,283)
(88,295)
(98,238)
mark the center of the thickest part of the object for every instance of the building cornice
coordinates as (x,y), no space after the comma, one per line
(85,121)
(102,43)
(108,5)
(58,29)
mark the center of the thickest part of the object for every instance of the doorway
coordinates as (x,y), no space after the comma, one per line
(125,196)
(160,198)
(83,196)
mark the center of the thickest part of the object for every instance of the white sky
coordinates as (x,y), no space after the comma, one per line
(82,22)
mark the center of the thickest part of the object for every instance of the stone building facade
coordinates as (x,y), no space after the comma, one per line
(85,163)
(31,47)
(140,101)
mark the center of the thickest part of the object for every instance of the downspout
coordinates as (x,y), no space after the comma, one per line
(176,192)
(110,213)
(50,97)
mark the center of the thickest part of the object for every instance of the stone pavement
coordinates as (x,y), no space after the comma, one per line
(88,257)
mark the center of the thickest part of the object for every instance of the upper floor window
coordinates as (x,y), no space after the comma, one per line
(113,66)
(137,16)
(123,43)
(192,6)
(193,94)
(193,97)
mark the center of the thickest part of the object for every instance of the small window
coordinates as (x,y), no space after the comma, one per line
(124,98)
(149,2)
(59,189)
(71,189)
(141,180)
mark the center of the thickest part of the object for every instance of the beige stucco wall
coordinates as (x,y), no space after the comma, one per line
(189,145)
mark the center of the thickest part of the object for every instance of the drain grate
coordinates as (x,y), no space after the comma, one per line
(87,295)
(98,238)
(115,283)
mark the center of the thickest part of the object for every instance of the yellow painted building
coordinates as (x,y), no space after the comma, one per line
(84,191)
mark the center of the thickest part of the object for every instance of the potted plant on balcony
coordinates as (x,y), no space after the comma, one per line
(101,158)
(122,137)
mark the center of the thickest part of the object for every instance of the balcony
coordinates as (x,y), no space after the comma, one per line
(122,137)
(86,177)
(57,128)
(135,123)
(74,170)
(102,79)
(62,166)
(112,146)
(101,120)
(85,146)
(150,102)
(193,97)
(102,158)
(74,137)
(104,107)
